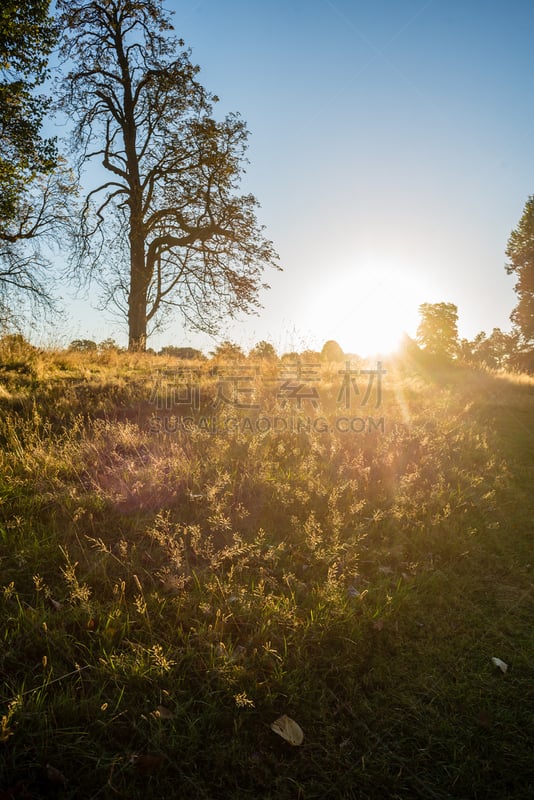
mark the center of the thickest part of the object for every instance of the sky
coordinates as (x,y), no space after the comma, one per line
(392,152)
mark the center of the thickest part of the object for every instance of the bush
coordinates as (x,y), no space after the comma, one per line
(185,353)
(263,350)
(83,346)
(332,351)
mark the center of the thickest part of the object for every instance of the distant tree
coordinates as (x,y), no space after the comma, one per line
(264,350)
(409,353)
(228,351)
(108,345)
(467,350)
(292,356)
(185,353)
(310,357)
(520,254)
(496,350)
(15,344)
(332,351)
(522,361)
(83,346)
(166,229)
(438,329)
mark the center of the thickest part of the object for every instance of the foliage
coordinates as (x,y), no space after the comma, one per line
(438,329)
(520,254)
(15,342)
(36,189)
(16,353)
(263,350)
(228,351)
(107,345)
(291,356)
(27,36)
(523,361)
(310,356)
(83,345)
(332,351)
(183,237)
(185,353)
(496,351)
(409,351)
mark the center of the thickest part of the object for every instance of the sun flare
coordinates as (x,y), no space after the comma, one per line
(369,310)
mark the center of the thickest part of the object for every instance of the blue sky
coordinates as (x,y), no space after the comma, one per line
(392,152)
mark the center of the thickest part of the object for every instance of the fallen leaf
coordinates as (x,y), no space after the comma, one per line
(500,664)
(288,729)
(56,605)
(378,624)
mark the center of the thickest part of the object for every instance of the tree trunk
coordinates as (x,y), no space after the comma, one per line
(137,301)
(139,279)
(137,298)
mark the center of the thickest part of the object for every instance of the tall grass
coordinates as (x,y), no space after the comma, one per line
(166,596)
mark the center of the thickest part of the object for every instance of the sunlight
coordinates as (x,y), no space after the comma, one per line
(368,310)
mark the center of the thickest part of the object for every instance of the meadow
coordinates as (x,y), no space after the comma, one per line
(190,551)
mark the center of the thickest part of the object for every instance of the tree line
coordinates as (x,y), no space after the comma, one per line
(162,225)
(438,342)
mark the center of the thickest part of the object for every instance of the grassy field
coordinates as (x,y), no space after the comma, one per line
(189,553)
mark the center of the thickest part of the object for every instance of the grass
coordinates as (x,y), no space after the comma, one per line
(164,597)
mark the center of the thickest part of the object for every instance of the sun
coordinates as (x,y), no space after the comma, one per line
(368,311)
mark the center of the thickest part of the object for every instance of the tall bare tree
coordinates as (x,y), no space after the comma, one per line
(164,226)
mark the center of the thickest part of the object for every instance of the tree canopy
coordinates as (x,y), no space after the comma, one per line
(35,186)
(27,36)
(438,329)
(182,235)
(229,351)
(263,350)
(332,351)
(520,254)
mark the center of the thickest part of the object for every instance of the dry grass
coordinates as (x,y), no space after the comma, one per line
(166,596)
